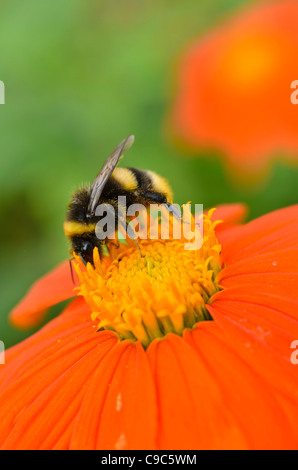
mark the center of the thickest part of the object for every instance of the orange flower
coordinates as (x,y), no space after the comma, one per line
(234,88)
(224,382)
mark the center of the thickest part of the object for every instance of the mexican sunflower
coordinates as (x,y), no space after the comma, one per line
(174,349)
(234,88)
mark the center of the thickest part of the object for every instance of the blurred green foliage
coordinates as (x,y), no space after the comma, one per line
(80,75)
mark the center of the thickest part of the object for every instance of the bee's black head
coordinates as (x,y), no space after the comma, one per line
(83,247)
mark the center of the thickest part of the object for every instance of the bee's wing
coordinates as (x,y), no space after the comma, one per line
(107,170)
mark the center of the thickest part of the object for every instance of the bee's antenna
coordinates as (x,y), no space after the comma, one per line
(71,270)
(173,210)
(177,214)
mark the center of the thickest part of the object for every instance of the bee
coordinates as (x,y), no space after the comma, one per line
(138,186)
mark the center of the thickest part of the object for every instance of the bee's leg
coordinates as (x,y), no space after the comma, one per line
(116,245)
(82,259)
(142,256)
(131,235)
(109,244)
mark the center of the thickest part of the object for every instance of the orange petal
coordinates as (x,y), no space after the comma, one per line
(124,413)
(76,317)
(90,390)
(260,335)
(130,416)
(192,411)
(45,381)
(51,289)
(258,305)
(231,215)
(275,231)
(259,414)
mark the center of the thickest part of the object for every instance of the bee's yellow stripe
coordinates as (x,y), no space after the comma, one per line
(125,178)
(72,228)
(160,184)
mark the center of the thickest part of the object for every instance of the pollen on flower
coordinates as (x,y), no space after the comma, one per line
(143,294)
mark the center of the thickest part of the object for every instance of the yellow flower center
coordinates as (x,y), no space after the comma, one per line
(145,292)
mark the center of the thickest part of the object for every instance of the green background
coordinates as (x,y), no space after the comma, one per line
(80,75)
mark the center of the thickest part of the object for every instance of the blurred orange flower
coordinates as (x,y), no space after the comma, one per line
(225,382)
(234,88)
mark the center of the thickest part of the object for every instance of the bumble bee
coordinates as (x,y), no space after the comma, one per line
(138,186)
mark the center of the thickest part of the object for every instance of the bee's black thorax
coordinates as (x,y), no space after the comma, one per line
(77,209)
